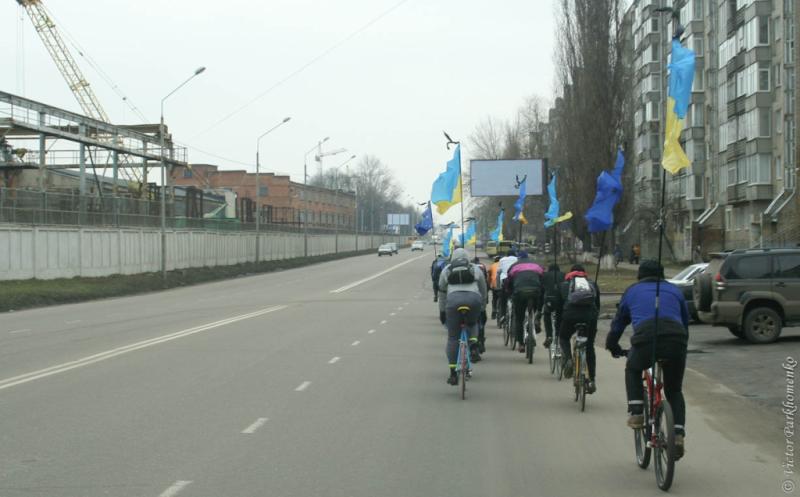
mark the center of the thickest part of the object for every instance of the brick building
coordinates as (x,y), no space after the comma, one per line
(282,201)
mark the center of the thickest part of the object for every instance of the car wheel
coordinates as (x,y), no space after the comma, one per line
(703,292)
(736,330)
(762,325)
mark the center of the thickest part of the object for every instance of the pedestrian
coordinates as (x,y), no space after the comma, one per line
(697,256)
(617,256)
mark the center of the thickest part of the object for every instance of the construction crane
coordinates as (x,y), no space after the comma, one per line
(90,105)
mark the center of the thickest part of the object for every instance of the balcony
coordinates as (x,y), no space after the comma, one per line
(759,192)
(737,193)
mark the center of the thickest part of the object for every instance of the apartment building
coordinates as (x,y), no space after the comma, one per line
(739,134)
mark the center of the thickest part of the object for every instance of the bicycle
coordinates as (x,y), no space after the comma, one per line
(658,432)
(463,361)
(555,354)
(510,339)
(530,341)
(580,377)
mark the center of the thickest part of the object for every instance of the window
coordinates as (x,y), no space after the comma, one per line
(699,81)
(759,169)
(763,30)
(187,173)
(654,25)
(732,174)
(263,191)
(697,115)
(764,114)
(788,266)
(763,76)
(697,45)
(750,267)
(728,218)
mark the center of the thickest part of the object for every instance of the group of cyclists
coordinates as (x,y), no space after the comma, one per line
(564,300)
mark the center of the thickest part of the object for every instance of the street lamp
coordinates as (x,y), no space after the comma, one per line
(164,176)
(336,202)
(258,186)
(305,193)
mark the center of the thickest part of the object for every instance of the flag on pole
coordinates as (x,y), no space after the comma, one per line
(552,215)
(681,74)
(600,215)
(447,187)
(519,205)
(497,234)
(469,236)
(447,243)
(426,224)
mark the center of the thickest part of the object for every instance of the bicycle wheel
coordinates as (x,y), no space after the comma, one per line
(551,355)
(642,437)
(583,378)
(559,363)
(577,359)
(462,366)
(529,339)
(664,450)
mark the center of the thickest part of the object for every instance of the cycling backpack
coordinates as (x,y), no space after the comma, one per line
(581,292)
(461,273)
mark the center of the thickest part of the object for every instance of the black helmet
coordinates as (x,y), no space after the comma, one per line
(650,268)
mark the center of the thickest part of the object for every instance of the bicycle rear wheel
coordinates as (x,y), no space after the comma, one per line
(584,378)
(529,344)
(641,437)
(575,379)
(462,367)
(664,450)
(551,355)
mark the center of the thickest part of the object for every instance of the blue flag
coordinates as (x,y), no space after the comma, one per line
(447,187)
(497,234)
(447,243)
(519,205)
(469,235)
(552,212)
(426,224)
(600,215)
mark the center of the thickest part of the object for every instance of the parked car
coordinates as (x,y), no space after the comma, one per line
(418,245)
(385,249)
(685,281)
(755,292)
(394,247)
(491,248)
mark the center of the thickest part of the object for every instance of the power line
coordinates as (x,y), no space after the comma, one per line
(305,66)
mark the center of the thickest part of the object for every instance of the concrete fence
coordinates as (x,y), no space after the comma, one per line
(48,252)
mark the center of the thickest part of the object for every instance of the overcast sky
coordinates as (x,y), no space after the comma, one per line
(429,65)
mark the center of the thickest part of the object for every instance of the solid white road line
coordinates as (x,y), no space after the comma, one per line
(108,354)
(302,386)
(371,332)
(377,275)
(23,330)
(355,343)
(334,360)
(253,427)
(175,488)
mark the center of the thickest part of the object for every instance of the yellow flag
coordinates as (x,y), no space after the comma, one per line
(674,158)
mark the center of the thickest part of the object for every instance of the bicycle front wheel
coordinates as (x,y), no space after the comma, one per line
(462,366)
(575,379)
(583,379)
(551,355)
(664,450)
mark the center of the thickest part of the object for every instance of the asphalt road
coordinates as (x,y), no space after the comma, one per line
(329,381)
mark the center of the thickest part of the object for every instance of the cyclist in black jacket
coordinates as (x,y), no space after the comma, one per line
(552,279)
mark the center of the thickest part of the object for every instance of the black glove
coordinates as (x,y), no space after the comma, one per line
(442,317)
(615,349)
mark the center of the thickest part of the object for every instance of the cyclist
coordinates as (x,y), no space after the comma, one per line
(551,281)
(461,284)
(493,270)
(578,301)
(524,285)
(436,270)
(637,307)
(482,323)
(503,266)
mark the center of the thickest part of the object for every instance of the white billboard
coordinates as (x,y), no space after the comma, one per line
(398,219)
(498,178)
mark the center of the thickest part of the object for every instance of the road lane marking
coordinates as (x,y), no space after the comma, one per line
(175,488)
(256,425)
(377,275)
(384,322)
(302,386)
(355,343)
(72,321)
(23,330)
(400,308)
(393,314)
(108,354)
(334,360)
(371,332)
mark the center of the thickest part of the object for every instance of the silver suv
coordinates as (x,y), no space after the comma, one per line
(755,293)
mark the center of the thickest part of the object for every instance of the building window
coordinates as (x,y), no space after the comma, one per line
(187,173)
(699,81)
(263,191)
(763,30)
(763,76)
(732,174)
(764,114)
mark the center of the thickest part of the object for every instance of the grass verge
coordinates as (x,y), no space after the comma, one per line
(24,294)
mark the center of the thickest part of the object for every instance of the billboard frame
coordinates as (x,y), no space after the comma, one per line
(545,172)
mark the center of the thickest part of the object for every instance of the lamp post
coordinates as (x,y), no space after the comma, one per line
(258,186)
(318,146)
(164,176)
(336,202)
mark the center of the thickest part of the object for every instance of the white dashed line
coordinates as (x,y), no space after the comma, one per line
(371,332)
(256,425)
(400,308)
(392,314)
(302,386)
(176,488)
(384,322)
(355,343)
(23,330)
(334,360)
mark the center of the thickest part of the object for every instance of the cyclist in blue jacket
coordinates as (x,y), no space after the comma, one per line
(669,345)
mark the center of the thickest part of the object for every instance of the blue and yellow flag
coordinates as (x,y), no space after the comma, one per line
(447,243)
(519,205)
(552,215)
(681,74)
(426,224)
(470,235)
(447,187)
(600,215)
(497,234)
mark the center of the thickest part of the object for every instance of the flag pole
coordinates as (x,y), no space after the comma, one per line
(600,256)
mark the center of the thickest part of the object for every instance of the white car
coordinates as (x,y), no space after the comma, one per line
(385,249)
(418,245)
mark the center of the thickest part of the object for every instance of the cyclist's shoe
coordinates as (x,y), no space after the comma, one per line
(636,421)
(547,342)
(494,314)
(591,387)
(474,356)
(481,347)
(522,348)
(679,450)
(568,367)
(453,378)
(436,298)
(469,374)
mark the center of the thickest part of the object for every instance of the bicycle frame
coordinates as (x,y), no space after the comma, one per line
(654,398)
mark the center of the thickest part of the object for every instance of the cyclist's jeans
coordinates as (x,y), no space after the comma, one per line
(640,357)
(455,318)
(521,304)
(568,322)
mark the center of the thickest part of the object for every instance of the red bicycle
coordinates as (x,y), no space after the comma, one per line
(658,432)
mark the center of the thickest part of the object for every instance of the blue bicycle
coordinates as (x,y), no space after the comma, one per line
(463,361)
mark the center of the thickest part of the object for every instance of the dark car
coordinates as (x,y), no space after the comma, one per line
(685,281)
(755,293)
